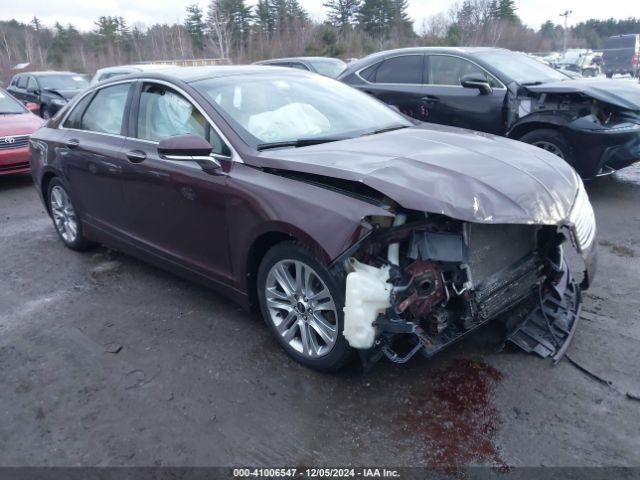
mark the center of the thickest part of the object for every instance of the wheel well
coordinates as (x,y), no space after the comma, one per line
(520,130)
(257,251)
(46,180)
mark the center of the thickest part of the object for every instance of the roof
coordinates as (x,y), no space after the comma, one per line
(192,74)
(287,59)
(137,66)
(50,72)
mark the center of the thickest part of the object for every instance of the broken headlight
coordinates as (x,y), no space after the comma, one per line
(582,220)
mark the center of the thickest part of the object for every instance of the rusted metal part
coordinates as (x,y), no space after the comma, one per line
(428,290)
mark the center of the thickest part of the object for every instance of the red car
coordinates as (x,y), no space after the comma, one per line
(17,123)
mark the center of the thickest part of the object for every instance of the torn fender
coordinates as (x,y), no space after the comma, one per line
(466,175)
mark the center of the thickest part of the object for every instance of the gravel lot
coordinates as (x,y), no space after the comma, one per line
(107,361)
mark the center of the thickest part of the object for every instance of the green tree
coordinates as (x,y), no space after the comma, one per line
(507,10)
(264,18)
(375,17)
(342,13)
(195,26)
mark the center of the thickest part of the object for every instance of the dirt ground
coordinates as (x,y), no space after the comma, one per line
(107,361)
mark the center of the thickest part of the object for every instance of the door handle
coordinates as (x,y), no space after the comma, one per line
(430,99)
(73,143)
(136,156)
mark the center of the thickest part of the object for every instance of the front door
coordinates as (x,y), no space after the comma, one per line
(449,103)
(175,209)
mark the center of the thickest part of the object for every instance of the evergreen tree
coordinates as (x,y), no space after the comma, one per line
(195,26)
(342,13)
(399,22)
(507,10)
(375,16)
(264,19)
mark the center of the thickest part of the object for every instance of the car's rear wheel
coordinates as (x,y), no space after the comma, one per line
(65,217)
(552,141)
(302,304)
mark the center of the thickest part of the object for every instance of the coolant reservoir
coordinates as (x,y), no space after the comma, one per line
(367,294)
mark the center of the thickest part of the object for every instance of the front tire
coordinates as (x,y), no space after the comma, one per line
(552,141)
(302,304)
(65,218)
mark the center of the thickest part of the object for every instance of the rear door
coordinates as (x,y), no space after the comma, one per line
(449,103)
(175,209)
(93,158)
(398,81)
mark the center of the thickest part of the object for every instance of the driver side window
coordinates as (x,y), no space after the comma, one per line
(165,113)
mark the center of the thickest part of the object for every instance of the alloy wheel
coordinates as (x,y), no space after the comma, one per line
(549,147)
(64,215)
(301,308)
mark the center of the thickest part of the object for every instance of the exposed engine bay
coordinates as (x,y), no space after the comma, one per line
(425,281)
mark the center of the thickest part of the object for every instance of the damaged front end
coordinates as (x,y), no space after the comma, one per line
(426,280)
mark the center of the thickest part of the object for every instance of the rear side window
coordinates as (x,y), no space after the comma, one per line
(405,69)
(106,111)
(22,82)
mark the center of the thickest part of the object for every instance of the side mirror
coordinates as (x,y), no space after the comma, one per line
(188,148)
(32,107)
(474,80)
(35,91)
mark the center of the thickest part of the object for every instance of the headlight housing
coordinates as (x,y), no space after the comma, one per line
(582,221)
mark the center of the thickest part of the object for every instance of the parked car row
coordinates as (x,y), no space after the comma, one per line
(351,213)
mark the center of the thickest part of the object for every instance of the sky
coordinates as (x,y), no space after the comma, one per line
(83,13)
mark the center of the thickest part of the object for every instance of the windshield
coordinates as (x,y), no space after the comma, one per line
(330,67)
(63,82)
(10,105)
(266,109)
(521,68)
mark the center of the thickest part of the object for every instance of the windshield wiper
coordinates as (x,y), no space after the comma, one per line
(301,142)
(386,129)
(531,84)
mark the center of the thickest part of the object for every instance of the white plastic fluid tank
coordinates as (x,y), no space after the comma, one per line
(367,294)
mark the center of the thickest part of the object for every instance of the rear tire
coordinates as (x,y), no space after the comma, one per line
(302,304)
(65,217)
(551,141)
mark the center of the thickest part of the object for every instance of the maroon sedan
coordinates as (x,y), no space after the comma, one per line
(349,226)
(16,124)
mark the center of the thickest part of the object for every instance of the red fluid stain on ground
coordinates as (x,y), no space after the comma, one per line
(455,418)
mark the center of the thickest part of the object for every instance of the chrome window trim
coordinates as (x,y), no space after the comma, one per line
(502,87)
(234,157)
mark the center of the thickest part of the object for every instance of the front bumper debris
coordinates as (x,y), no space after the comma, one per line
(548,329)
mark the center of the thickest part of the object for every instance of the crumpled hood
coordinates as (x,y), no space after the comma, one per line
(622,94)
(466,175)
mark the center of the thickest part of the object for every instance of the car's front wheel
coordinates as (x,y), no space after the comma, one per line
(552,141)
(302,304)
(65,217)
